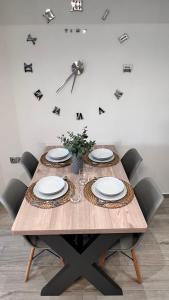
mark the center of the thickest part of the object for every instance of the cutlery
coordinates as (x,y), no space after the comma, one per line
(38,202)
(101,202)
(95,178)
(62,163)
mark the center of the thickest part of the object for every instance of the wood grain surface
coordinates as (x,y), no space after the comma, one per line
(82,217)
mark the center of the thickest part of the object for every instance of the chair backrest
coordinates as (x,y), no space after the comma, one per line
(29,162)
(12,199)
(131,161)
(13,196)
(149,197)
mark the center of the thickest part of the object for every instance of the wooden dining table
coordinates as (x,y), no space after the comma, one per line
(104,225)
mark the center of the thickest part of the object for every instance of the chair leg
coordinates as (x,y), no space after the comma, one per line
(102,260)
(29,263)
(136,266)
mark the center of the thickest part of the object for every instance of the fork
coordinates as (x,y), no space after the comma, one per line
(100,202)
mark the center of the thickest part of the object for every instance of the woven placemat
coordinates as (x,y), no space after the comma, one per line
(117,204)
(88,161)
(47,163)
(37,202)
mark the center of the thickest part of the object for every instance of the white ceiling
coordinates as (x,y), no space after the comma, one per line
(15,12)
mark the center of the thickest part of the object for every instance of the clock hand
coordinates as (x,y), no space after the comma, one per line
(75,76)
(66,81)
(77,69)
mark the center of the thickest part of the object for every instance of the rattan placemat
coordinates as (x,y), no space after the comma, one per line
(117,204)
(47,163)
(88,161)
(37,202)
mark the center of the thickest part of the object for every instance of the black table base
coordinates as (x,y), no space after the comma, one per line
(81,260)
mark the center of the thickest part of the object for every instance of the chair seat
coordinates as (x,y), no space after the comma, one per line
(126,243)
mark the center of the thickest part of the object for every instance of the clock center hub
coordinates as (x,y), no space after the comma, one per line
(78,67)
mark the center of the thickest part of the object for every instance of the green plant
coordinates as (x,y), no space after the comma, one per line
(77,143)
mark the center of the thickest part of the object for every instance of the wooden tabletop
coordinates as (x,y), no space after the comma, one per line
(82,217)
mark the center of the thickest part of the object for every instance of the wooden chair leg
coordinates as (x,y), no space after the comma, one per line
(136,266)
(62,262)
(102,260)
(29,263)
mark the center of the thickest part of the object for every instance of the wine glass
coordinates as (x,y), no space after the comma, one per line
(77,197)
(83,177)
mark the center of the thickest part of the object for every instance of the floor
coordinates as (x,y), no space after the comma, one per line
(153,256)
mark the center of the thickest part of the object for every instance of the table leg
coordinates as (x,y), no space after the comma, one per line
(81,265)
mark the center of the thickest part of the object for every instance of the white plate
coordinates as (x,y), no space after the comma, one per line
(109,186)
(102,154)
(58,160)
(99,161)
(50,197)
(107,198)
(58,153)
(50,185)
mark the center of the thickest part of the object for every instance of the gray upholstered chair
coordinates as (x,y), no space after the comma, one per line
(12,199)
(131,161)
(149,198)
(29,162)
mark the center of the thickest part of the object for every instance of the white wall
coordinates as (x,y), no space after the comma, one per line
(139,119)
(23,12)
(9,135)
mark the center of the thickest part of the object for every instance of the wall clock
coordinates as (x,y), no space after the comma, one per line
(77,67)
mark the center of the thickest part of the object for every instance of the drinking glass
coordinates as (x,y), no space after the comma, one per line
(77,197)
(90,172)
(83,177)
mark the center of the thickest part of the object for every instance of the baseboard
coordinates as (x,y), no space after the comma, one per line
(166,195)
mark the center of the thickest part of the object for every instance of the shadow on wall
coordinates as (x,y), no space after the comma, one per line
(154,163)
(24,177)
(19,175)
